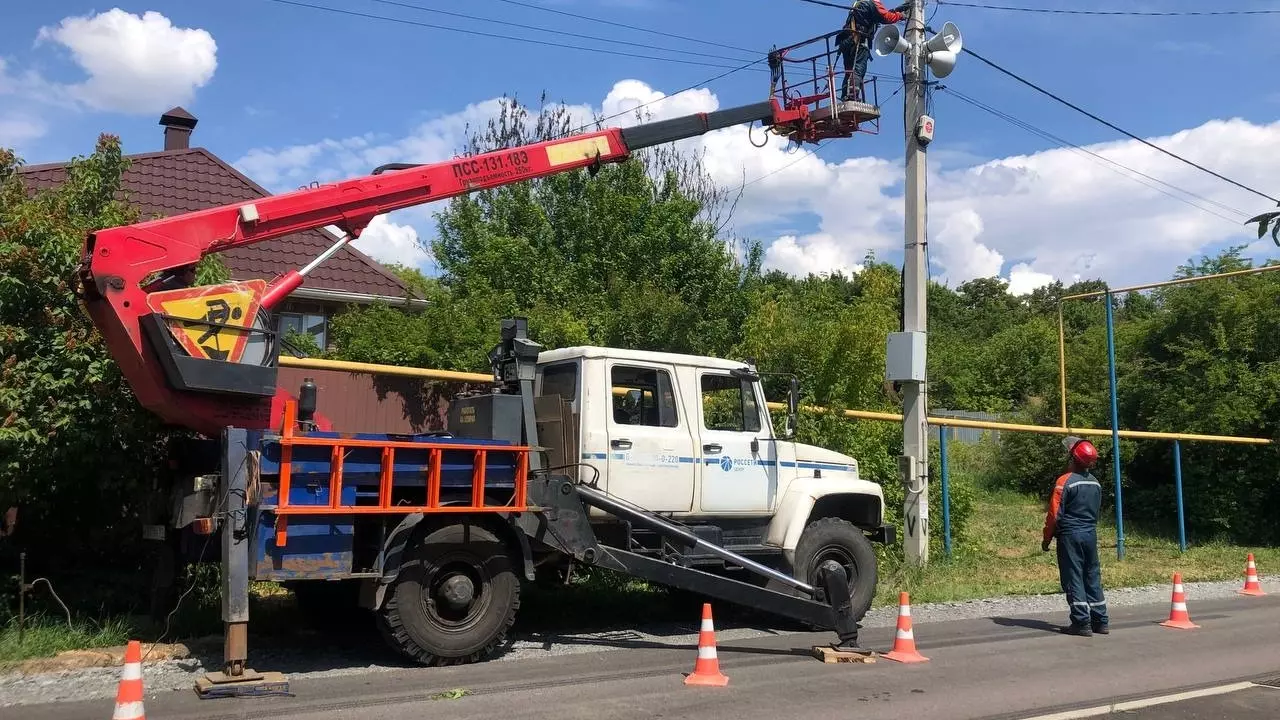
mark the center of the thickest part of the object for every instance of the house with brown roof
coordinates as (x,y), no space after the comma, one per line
(181,178)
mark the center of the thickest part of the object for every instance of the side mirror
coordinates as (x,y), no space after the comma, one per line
(793,408)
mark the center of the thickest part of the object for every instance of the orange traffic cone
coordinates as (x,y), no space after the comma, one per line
(904,643)
(129,695)
(707,670)
(1251,584)
(1178,617)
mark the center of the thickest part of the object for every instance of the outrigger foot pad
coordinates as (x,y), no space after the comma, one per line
(247,684)
(835,587)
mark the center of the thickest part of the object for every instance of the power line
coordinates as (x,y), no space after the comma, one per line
(803,157)
(547,43)
(625,25)
(1118,129)
(694,86)
(1068,144)
(828,4)
(553,31)
(1124,13)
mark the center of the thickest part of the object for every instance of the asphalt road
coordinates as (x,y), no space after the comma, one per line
(995,669)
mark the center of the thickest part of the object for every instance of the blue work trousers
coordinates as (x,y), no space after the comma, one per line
(1081,577)
(855,59)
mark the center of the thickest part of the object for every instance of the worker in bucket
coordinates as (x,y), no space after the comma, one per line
(854,41)
(1073,520)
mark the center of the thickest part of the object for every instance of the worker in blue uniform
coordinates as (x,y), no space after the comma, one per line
(854,41)
(1073,519)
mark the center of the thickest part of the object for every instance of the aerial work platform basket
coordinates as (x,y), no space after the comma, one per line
(807,77)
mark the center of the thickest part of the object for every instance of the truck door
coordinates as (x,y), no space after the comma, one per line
(740,457)
(651,451)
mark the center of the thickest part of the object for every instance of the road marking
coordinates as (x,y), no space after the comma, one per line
(1148,702)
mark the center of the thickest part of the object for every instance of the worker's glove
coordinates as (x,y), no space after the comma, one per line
(1044,546)
(904,7)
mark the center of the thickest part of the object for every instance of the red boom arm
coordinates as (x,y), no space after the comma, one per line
(118,261)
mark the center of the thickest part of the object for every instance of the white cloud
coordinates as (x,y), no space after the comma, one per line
(135,63)
(1052,214)
(1024,281)
(16,130)
(820,254)
(389,242)
(959,253)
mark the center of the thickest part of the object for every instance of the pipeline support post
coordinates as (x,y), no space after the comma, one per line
(1115,425)
(1177,489)
(946,489)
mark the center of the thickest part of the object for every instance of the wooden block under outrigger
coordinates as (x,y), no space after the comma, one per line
(828,654)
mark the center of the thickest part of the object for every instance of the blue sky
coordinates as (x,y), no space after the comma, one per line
(298,93)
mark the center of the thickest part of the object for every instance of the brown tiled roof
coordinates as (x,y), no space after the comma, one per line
(177,181)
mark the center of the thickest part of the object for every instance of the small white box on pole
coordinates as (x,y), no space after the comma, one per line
(905,357)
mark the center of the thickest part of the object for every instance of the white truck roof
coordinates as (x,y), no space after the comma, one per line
(573,353)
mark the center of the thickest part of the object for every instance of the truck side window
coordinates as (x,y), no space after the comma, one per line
(729,403)
(561,380)
(643,396)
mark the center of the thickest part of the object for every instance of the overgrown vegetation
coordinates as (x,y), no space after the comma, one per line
(637,255)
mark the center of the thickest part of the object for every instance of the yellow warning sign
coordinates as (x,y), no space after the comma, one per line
(207,320)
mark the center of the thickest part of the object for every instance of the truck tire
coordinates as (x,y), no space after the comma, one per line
(832,538)
(455,597)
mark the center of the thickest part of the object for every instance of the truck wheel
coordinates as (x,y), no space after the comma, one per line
(840,540)
(455,597)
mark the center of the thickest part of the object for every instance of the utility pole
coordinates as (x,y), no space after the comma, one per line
(915,429)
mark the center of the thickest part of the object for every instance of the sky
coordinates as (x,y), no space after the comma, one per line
(291,93)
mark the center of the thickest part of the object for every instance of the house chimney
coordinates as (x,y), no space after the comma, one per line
(178,124)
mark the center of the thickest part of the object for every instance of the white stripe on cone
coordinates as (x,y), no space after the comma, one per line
(132,671)
(905,635)
(127,711)
(1177,588)
(904,611)
(707,653)
(1180,606)
(708,626)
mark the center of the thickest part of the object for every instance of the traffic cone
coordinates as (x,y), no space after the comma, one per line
(129,695)
(1178,617)
(707,670)
(1251,584)
(904,642)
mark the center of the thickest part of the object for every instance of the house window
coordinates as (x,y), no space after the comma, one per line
(312,324)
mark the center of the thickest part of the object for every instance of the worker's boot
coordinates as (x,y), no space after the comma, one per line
(1082,630)
(1101,629)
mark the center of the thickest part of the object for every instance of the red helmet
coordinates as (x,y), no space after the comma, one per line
(1084,453)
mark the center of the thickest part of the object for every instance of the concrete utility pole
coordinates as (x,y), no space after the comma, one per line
(915,430)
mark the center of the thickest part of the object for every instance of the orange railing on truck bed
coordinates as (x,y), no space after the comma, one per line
(386,503)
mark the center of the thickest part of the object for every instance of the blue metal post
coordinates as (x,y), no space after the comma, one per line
(1115,427)
(946,489)
(1177,485)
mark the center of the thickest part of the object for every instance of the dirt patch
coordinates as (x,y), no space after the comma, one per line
(110,656)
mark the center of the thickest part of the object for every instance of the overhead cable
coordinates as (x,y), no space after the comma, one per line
(510,38)
(1122,167)
(1112,13)
(1118,129)
(553,31)
(625,25)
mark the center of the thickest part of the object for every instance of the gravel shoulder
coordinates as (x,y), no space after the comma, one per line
(320,660)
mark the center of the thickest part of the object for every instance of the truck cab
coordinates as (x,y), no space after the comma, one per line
(691,438)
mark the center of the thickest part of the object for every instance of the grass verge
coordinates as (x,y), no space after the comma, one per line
(46,636)
(1000,555)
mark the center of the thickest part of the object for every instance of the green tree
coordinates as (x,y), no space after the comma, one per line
(77,453)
